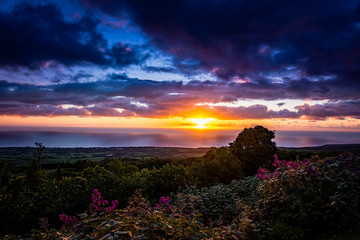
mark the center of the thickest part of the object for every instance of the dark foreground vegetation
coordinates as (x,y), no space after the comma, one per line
(243,191)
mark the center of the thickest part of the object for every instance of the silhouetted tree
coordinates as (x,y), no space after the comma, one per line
(254,148)
(34,174)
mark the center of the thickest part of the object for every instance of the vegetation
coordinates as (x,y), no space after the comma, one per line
(211,197)
(254,147)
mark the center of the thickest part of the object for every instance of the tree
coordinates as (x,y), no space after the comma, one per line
(254,148)
(34,174)
(218,165)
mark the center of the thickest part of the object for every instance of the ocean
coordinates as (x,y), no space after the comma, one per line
(111,137)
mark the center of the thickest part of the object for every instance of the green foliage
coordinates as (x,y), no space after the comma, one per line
(310,199)
(120,168)
(297,200)
(282,231)
(138,221)
(219,165)
(219,204)
(34,174)
(254,148)
(162,181)
(6,173)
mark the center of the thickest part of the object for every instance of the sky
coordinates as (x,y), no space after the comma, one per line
(224,64)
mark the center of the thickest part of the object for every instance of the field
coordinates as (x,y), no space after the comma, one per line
(23,155)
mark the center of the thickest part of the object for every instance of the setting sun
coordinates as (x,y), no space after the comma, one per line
(201,122)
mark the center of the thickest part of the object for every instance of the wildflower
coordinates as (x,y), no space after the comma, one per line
(164,204)
(70,223)
(263,174)
(62,216)
(101,205)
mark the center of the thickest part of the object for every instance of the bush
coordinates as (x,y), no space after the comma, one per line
(219,204)
(219,165)
(167,179)
(309,198)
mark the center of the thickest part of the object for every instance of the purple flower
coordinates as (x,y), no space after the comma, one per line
(263,174)
(312,171)
(163,204)
(70,223)
(101,205)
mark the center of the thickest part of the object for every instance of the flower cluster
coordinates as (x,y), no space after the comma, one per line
(100,205)
(283,163)
(69,222)
(263,174)
(164,204)
(266,175)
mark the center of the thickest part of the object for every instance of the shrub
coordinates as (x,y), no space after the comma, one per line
(302,197)
(218,204)
(167,179)
(219,165)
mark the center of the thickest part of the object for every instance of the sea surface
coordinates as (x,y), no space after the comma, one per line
(108,137)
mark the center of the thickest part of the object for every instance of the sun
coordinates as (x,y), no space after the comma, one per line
(201,122)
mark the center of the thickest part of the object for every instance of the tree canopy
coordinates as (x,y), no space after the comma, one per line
(254,148)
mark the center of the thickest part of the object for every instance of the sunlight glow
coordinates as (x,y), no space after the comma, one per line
(201,122)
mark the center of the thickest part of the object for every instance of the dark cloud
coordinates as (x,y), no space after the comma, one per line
(23,109)
(332,109)
(160,69)
(240,38)
(124,55)
(81,75)
(269,50)
(34,35)
(119,95)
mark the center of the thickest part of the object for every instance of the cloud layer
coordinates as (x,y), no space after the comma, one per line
(119,95)
(33,35)
(261,50)
(238,37)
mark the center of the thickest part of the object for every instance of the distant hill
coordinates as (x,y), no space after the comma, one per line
(327,147)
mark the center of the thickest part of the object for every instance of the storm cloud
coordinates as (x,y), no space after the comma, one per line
(239,38)
(32,35)
(176,55)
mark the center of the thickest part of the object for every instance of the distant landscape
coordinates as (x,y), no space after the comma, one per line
(238,190)
(22,155)
(180,120)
